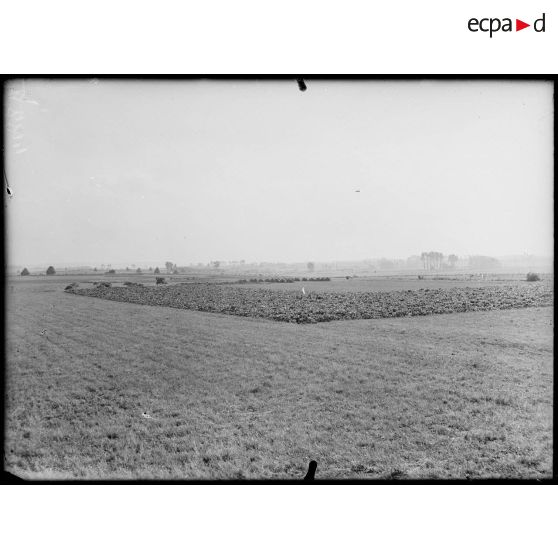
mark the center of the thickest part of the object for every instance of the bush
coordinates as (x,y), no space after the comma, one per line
(421,276)
(533,277)
(110,272)
(25,271)
(138,270)
(70,288)
(50,270)
(156,270)
(102,284)
(160,280)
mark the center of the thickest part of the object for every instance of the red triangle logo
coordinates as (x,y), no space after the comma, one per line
(519,25)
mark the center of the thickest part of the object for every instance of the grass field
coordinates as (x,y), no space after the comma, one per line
(444,396)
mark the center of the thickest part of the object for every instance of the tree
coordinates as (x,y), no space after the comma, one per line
(156,271)
(50,270)
(310,266)
(94,269)
(138,270)
(25,271)
(433,260)
(168,265)
(452,259)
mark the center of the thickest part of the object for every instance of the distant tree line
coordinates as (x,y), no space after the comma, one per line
(483,262)
(435,261)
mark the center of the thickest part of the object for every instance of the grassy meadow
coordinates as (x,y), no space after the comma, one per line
(442,396)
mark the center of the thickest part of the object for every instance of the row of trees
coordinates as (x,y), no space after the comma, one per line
(171,268)
(430,261)
(435,260)
(50,271)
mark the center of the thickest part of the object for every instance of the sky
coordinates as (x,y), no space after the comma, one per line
(135,171)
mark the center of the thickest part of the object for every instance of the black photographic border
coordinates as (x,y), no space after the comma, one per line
(298,83)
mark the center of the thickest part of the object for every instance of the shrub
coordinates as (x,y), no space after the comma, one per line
(102,284)
(70,288)
(304,279)
(160,280)
(533,277)
(156,271)
(50,270)
(25,271)
(111,272)
(138,270)
(421,276)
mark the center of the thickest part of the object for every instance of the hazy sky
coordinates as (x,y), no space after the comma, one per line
(112,171)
